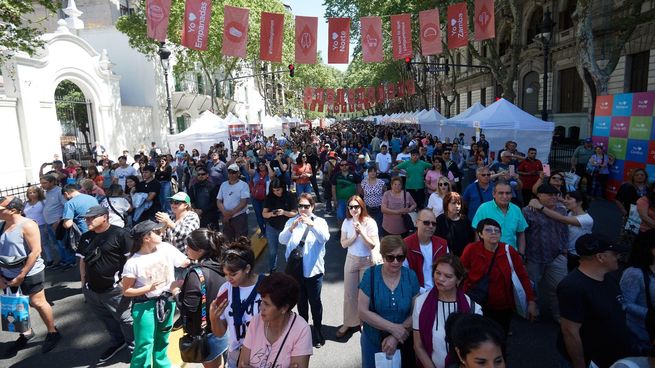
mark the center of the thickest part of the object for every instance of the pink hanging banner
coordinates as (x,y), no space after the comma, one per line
(306,29)
(235,31)
(430,32)
(371,29)
(197,15)
(485,24)
(338,40)
(401,36)
(271,37)
(157,12)
(381,93)
(457,26)
(329,96)
(410,87)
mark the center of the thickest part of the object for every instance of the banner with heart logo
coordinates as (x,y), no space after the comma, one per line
(430,33)
(485,24)
(235,31)
(401,36)
(329,96)
(157,12)
(306,46)
(457,26)
(372,48)
(271,37)
(338,40)
(197,15)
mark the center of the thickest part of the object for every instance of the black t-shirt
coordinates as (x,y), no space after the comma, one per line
(114,244)
(150,187)
(273,202)
(279,173)
(627,195)
(457,233)
(597,306)
(164,175)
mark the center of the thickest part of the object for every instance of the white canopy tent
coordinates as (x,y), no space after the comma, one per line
(429,121)
(503,121)
(445,129)
(204,132)
(272,125)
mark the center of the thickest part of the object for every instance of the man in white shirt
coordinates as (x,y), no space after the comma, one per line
(232,201)
(122,172)
(383,163)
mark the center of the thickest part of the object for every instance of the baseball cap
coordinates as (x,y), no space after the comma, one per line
(233,167)
(327,145)
(590,244)
(588,140)
(181,197)
(96,211)
(360,156)
(145,227)
(547,189)
(11,203)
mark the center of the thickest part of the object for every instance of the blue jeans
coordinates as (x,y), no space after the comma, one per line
(368,352)
(164,193)
(272,236)
(310,293)
(258,206)
(303,188)
(45,243)
(66,255)
(341,209)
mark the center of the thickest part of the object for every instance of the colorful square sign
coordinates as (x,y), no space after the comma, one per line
(600,141)
(622,105)
(611,189)
(616,170)
(642,103)
(602,126)
(604,105)
(637,150)
(620,126)
(640,127)
(629,167)
(617,147)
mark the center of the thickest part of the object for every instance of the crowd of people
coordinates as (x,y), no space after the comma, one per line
(444,245)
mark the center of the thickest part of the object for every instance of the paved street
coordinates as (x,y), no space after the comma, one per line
(531,345)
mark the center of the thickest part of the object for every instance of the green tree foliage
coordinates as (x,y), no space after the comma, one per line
(72,110)
(18,33)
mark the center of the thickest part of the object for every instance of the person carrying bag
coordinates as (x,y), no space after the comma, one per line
(195,348)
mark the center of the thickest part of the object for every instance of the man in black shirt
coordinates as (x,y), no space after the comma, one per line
(152,187)
(593,322)
(203,199)
(103,251)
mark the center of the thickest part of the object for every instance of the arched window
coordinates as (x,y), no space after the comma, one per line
(530,93)
(534,24)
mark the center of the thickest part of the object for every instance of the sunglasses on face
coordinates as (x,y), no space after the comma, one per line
(485,174)
(390,258)
(428,223)
(444,184)
(304,206)
(354,207)
(177,202)
(491,230)
(202,174)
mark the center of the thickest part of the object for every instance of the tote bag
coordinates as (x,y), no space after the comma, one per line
(15,310)
(520,297)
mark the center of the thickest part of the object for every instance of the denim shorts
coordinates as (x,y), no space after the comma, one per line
(217,346)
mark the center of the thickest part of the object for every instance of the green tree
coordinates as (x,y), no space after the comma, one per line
(18,33)
(72,111)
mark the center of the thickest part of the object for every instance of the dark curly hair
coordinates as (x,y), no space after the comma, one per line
(281,288)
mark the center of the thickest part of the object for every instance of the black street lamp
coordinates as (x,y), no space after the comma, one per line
(164,55)
(545,37)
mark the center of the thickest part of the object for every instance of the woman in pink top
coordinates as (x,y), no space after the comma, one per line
(395,203)
(437,171)
(277,337)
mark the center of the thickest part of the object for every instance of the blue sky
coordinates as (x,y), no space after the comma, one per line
(315,8)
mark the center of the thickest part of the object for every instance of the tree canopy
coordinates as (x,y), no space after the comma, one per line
(18,33)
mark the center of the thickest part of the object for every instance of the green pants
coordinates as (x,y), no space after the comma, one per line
(150,336)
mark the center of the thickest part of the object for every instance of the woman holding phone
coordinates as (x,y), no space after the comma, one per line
(280,205)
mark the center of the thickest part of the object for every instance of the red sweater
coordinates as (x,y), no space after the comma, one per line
(415,257)
(476,260)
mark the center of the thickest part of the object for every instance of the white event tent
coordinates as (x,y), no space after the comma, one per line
(429,120)
(446,129)
(206,130)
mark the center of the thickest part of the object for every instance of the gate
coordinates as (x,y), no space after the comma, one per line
(75,116)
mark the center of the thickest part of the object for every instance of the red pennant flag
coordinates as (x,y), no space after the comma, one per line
(307,96)
(271,37)
(381,94)
(457,26)
(351,99)
(401,36)
(312,107)
(360,96)
(391,90)
(197,15)
(306,28)
(340,96)
(343,109)
(410,88)
(430,32)
(157,12)
(329,96)
(485,24)
(371,29)
(370,95)
(319,96)
(401,89)
(235,31)
(338,40)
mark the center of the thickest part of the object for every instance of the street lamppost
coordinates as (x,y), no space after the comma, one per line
(545,36)
(164,55)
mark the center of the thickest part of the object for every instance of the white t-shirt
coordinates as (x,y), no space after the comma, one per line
(155,267)
(439,347)
(586,223)
(383,161)
(436,204)
(358,247)
(232,194)
(236,337)
(122,173)
(428,282)
(121,205)
(403,157)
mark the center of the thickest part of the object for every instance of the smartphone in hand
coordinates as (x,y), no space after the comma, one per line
(221,297)
(546,169)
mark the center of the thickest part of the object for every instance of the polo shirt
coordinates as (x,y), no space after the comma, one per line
(510,223)
(474,198)
(76,208)
(415,173)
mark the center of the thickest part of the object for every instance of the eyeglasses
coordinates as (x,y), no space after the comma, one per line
(428,223)
(354,207)
(177,202)
(485,174)
(303,156)
(390,258)
(491,230)
(504,193)
(304,206)
(444,184)
(232,172)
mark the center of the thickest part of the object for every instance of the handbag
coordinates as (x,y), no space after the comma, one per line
(15,310)
(571,180)
(520,297)
(634,220)
(12,261)
(294,262)
(650,313)
(479,292)
(408,222)
(195,349)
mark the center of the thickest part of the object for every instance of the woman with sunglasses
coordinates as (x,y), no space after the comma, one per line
(555,179)
(386,297)
(359,234)
(436,200)
(302,175)
(280,205)
(477,258)
(311,233)
(186,220)
(149,279)
(232,314)
(432,310)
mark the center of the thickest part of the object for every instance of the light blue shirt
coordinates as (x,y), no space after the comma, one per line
(313,262)
(53,206)
(76,208)
(511,222)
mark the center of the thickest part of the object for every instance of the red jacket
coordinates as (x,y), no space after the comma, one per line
(476,260)
(415,257)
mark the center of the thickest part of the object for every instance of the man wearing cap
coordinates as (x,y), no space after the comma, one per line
(383,163)
(507,214)
(103,251)
(150,186)
(232,200)
(593,320)
(345,184)
(579,160)
(21,239)
(546,247)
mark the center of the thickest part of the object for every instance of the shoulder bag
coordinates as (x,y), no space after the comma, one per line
(479,292)
(650,313)
(285,340)
(520,297)
(114,210)
(294,262)
(408,222)
(195,349)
